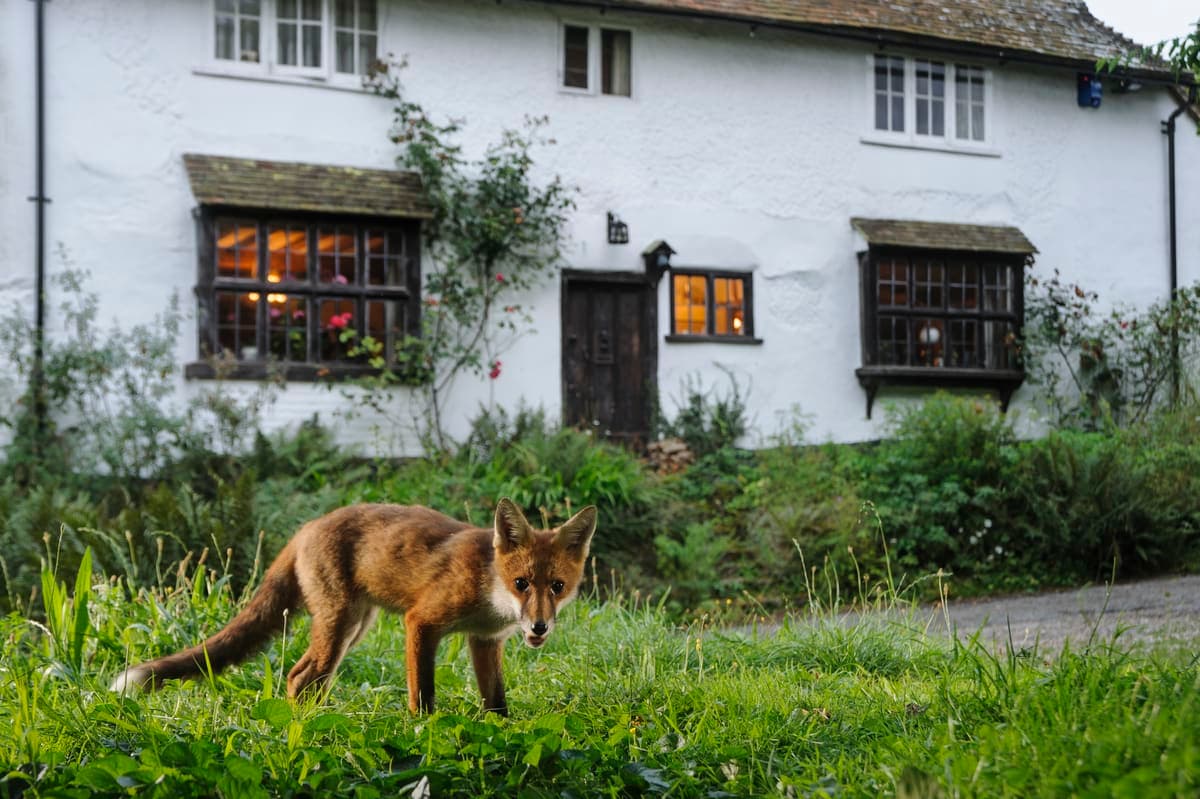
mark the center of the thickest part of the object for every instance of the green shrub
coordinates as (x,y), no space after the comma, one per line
(939,478)
(550,471)
(804,512)
(707,421)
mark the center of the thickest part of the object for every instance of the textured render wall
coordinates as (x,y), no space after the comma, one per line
(742,152)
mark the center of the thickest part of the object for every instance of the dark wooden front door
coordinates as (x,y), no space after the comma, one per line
(609,354)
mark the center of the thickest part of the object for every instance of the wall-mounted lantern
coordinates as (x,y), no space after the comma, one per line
(618,231)
(658,260)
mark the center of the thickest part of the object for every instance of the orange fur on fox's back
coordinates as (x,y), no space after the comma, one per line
(444,575)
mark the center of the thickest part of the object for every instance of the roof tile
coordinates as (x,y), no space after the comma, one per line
(943,236)
(287,186)
(1062,29)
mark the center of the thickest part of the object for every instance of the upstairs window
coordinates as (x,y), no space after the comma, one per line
(299,33)
(238,25)
(711,306)
(308,38)
(929,103)
(596,58)
(356,37)
(889,93)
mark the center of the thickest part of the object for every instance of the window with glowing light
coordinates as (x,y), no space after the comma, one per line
(307,295)
(952,310)
(711,305)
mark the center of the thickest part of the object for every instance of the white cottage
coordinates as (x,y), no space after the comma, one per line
(833,200)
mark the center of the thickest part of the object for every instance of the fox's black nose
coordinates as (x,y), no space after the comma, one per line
(539,628)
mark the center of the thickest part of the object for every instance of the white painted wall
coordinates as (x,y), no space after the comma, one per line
(741,152)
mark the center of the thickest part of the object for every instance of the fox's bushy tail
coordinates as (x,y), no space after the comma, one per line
(262,619)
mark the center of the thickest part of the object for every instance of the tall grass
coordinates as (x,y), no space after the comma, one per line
(622,701)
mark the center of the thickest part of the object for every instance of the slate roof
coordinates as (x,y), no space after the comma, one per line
(288,186)
(1055,30)
(943,236)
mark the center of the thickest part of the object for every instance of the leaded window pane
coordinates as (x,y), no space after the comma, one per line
(237,249)
(237,323)
(691,304)
(287,327)
(336,253)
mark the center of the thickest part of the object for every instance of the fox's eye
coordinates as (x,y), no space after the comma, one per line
(522,584)
(557,586)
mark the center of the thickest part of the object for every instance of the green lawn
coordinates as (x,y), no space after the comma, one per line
(620,702)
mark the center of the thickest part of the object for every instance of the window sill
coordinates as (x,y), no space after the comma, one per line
(290,372)
(262,74)
(678,339)
(1003,381)
(939,146)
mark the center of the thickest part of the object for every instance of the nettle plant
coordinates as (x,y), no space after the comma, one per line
(496,232)
(1117,366)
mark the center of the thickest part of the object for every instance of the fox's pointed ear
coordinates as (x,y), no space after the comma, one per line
(512,528)
(575,535)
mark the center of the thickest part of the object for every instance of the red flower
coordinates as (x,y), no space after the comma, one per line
(431,302)
(499,278)
(495,370)
(339,321)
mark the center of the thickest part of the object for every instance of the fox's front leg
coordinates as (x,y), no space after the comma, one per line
(487,655)
(421,651)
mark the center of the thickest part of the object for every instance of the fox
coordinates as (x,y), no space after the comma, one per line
(443,575)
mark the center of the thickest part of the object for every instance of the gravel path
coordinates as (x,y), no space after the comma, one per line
(1161,610)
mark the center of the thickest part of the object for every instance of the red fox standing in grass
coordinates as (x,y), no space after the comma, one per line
(443,575)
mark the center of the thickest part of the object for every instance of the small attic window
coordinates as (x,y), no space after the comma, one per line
(596,58)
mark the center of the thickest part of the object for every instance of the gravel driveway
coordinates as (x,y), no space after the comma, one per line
(1162,610)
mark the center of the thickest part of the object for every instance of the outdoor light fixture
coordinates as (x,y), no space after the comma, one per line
(1126,85)
(658,259)
(618,231)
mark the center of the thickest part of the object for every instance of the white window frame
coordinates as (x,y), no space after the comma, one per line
(595,57)
(948,141)
(299,70)
(268,67)
(356,34)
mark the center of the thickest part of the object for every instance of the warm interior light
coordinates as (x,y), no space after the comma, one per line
(737,322)
(273,278)
(252,296)
(277,298)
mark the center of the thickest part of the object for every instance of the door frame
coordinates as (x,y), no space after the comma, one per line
(630,279)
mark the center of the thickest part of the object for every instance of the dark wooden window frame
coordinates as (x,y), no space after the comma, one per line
(747,279)
(208,283)
(873,375)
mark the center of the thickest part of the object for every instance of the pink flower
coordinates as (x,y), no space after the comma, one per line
(431,302)
(276,313)
(340,278)
(297,314)
(495,370)
(499,278)
(339,321)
